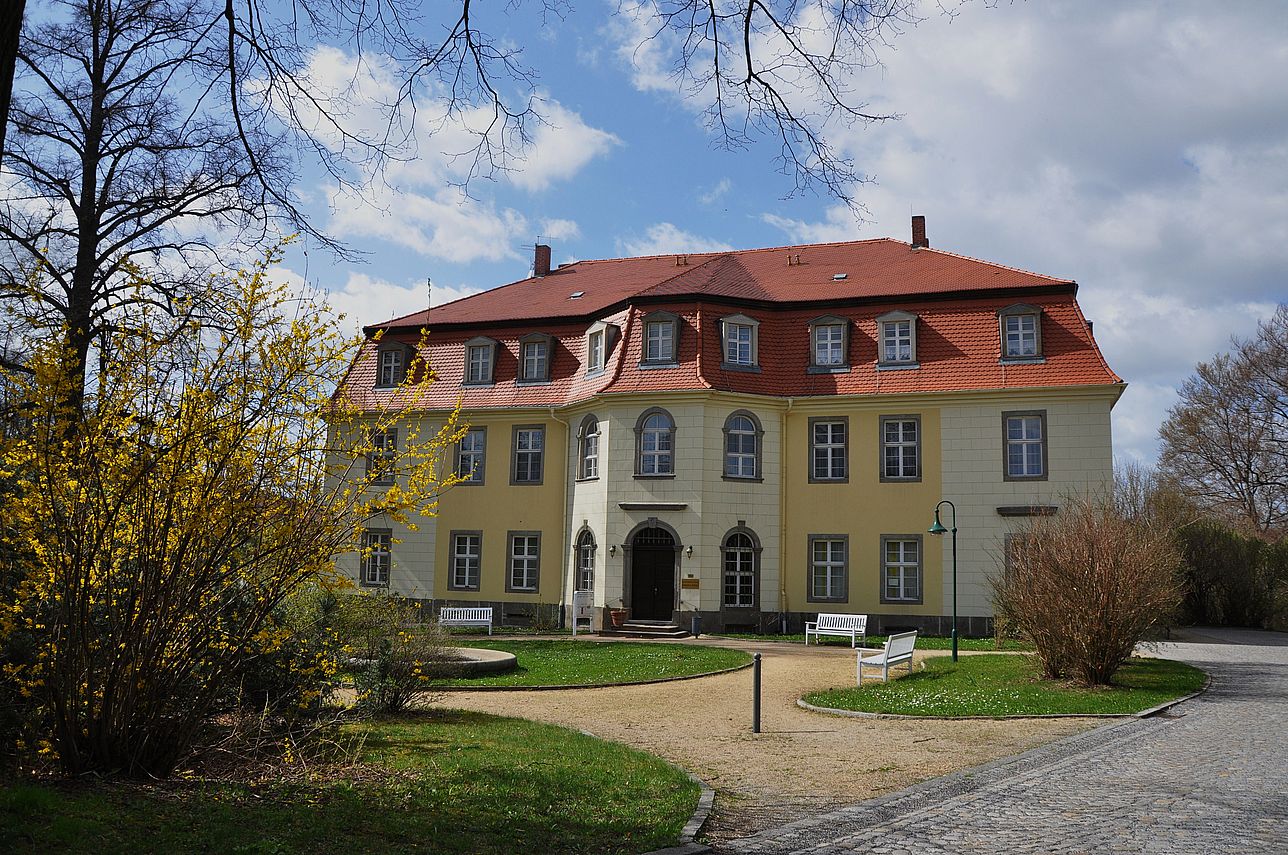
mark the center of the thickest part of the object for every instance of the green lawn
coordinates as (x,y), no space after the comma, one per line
(581,663)
(450,782)
(1010,684)
(924,642)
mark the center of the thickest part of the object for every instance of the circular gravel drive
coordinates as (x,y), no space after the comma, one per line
(802,763)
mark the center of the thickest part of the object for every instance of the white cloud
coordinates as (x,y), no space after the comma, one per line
(559,149)
(556,229)
(365,300)
(666,238)
(716,193)
(840,225)
(1142,151)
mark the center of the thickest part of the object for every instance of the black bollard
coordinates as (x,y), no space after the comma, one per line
(755,693)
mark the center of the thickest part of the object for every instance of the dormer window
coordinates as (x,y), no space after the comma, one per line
(480,361)
(391,365)
(740,344)
(829,344)
(600,340)
(534,358)
(661,336)
(897,341)
(1021,330)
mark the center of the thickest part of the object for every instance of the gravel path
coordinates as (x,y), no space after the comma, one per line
(1207,777)
(802,763)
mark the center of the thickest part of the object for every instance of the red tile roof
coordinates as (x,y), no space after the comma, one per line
(955,298)
(875,269)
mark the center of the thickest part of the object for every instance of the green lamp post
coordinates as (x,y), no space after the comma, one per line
(938,528)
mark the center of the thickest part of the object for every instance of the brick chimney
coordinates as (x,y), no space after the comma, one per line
(541,260)
(919,232)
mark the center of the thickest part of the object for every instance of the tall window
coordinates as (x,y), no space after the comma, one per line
(478,364)
(900,448)
(586,562)
(391,367)
(376,556)
(655,438)
(901,568)
(1025,445)
(529,451)
(536,360)
(738,344)
(588,457)
(383,454)
(739,571)
(467,557)
(470,455)
(525,561)
(1021,327)
(827,567)
(595,351)
(742,447)
(829,345)
(828,450)
(659,341)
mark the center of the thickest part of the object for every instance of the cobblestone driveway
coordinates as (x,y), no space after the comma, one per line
(1210,776)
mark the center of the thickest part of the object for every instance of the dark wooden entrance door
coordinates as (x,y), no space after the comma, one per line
(652,575)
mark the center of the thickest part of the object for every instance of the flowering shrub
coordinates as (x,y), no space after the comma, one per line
(169,506)
(395,655)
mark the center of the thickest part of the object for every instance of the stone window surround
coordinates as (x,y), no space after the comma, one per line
(609,334)
(845,568)
(364,557)
(514,455)
(451,564)
(845,451)
(535,338)
(756,550)
(1046,442)
(386,449)
(639,444)
(740,320)
(1014,310)
(881,447)
(827,321)
(760,448)
(481,341)
(509,562)
(480,472)
(404,353)
(921,572)
(660,317)
(583,432)
(585,538)
(894,317)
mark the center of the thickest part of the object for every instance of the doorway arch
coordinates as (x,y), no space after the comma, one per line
(653,557)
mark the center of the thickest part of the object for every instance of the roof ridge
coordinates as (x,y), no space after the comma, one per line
(719,252)
(713,259)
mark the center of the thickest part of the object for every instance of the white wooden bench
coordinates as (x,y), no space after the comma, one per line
(897,650)
(466,616)
(853,626)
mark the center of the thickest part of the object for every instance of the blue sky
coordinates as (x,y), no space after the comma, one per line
(1142,151)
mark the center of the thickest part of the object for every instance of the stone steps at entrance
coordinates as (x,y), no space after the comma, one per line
(646,629)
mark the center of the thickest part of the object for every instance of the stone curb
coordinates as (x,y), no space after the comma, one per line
(742,667)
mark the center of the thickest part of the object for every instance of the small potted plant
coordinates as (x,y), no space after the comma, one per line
(618,613)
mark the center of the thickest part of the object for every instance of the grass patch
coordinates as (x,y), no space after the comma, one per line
(1009,684)
(585,663)
(924,642)
(451,782)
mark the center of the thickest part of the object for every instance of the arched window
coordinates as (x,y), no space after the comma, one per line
(588,450)
(655,444)
(586,561)
(740,555)
(742,446)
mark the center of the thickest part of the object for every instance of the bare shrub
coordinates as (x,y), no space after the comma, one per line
(395,653)
(1086,584)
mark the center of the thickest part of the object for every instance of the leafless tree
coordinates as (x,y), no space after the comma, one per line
(150,132)
(1225,443)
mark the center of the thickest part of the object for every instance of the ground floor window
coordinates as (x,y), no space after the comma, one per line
(828,555)
(739,571)
(376,556)
(901,560)
(467,555)
(525,560)
(586,562)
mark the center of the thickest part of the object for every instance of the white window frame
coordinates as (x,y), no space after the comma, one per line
(832,568)
(535,360)
(530,446)
(740,463)
(829,345)
(1020,328)
(655,445)
(588,449)
(739,567)
(523,562)
(904,569)
(903,448)
(739,342)
(595,350)
(391,367)
(376,557)
(586,561)
(383,456)
(477,456)
(659,341)
(1027,442)
(467,560)
(478,364)
(831,448)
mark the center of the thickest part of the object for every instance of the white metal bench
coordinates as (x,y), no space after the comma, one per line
(898,649)
(855,627)
(466,616)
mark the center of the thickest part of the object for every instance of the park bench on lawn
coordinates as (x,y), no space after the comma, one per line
(466,616)
(897,650)
(855,627)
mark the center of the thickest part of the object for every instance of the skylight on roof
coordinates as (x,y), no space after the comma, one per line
(837,277)
(576,295)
